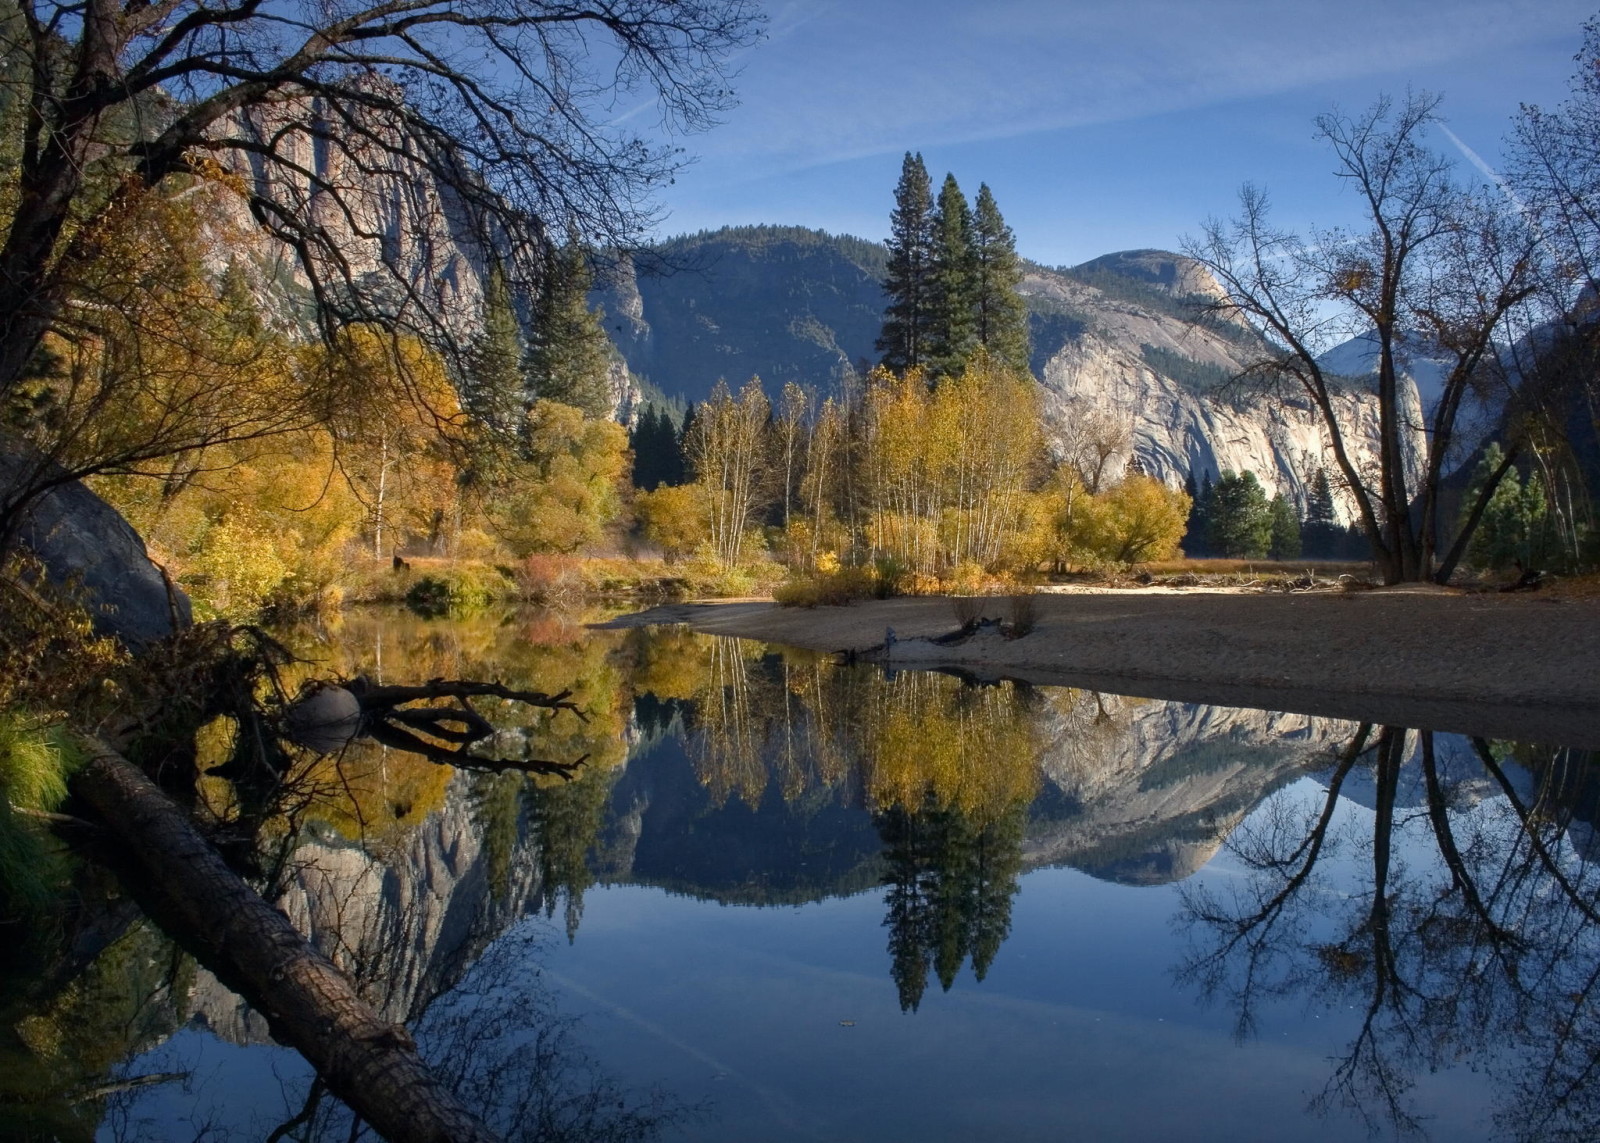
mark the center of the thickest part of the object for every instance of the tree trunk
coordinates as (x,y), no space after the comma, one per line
(309,1003)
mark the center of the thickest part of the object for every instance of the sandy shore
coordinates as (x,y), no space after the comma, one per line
(1524,667)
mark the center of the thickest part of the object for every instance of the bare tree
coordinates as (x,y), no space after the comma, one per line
(1447,265)
(730,452)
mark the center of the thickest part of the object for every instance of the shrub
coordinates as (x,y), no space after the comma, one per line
(833,588)
(1024,611)
(545,578)
(968,608)
(455,590)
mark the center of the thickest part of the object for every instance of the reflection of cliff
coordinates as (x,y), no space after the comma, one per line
(1135,791)
(409,922)
(1144,792)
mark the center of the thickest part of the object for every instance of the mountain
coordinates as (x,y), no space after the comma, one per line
(1138,337)
(779,302)
(1358,357)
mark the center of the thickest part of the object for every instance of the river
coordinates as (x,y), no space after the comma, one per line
(785,899)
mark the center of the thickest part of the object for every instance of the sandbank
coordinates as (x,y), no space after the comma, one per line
(1522,667)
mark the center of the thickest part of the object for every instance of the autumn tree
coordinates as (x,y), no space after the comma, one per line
(732,466)
(789,426)
(1448,265)
(568,488)
(522,144)
(1139,519)
(907,329)
(674,517)
(945,472)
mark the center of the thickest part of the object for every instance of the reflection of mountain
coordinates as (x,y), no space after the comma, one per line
(664,829)
(1135,791)
(1145,792)
(411,920)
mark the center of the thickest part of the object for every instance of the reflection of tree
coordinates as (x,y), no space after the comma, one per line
(950,881)
(567,817)
(508,1053)
(1469,937)
(947,768)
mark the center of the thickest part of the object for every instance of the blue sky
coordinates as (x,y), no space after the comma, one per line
(1099,126)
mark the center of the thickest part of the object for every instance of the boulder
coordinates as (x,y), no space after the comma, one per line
(82,540)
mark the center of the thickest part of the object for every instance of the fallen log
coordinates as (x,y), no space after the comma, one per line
(310,1005)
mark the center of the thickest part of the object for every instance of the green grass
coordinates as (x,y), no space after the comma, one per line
(34,764)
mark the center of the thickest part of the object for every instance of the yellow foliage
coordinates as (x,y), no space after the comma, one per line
(1137,520)
(1141,519)
(562,497)
(948,470)
(674,518)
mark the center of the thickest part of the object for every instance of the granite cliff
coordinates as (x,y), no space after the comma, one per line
(1128,337)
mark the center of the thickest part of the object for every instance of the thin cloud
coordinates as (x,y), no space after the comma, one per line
(851,83)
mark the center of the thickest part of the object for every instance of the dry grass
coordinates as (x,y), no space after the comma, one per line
(1327,569)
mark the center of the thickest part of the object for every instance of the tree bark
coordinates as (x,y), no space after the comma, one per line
(369,1063)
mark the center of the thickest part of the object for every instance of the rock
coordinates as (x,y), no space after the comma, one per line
(324,719)
(81,539)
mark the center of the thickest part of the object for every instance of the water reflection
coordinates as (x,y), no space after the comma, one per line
(1438,889)
(1460,923)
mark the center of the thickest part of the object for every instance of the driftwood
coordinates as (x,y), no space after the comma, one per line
(326,717)
(310,1005)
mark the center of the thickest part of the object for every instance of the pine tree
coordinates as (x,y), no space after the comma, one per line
(569,359)
(1196,536)
(657,454)
(1321,537)
(1240,519)
(492,392)
(909,283)
(952,332)
(1285,530)
(1000,317)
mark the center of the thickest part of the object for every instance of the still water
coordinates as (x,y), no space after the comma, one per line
(790,900)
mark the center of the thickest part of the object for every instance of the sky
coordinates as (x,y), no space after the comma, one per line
(1101,126)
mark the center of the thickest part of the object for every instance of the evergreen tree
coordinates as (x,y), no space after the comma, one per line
(1285,530)
(1196,536)
(997,862)
(1513,523)
(952,331)
(492,390)
(909,916)
(657,453)
(909,284)
(685,434)
(569,359)
(1321,537)
(1239,524)
(1000,317)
